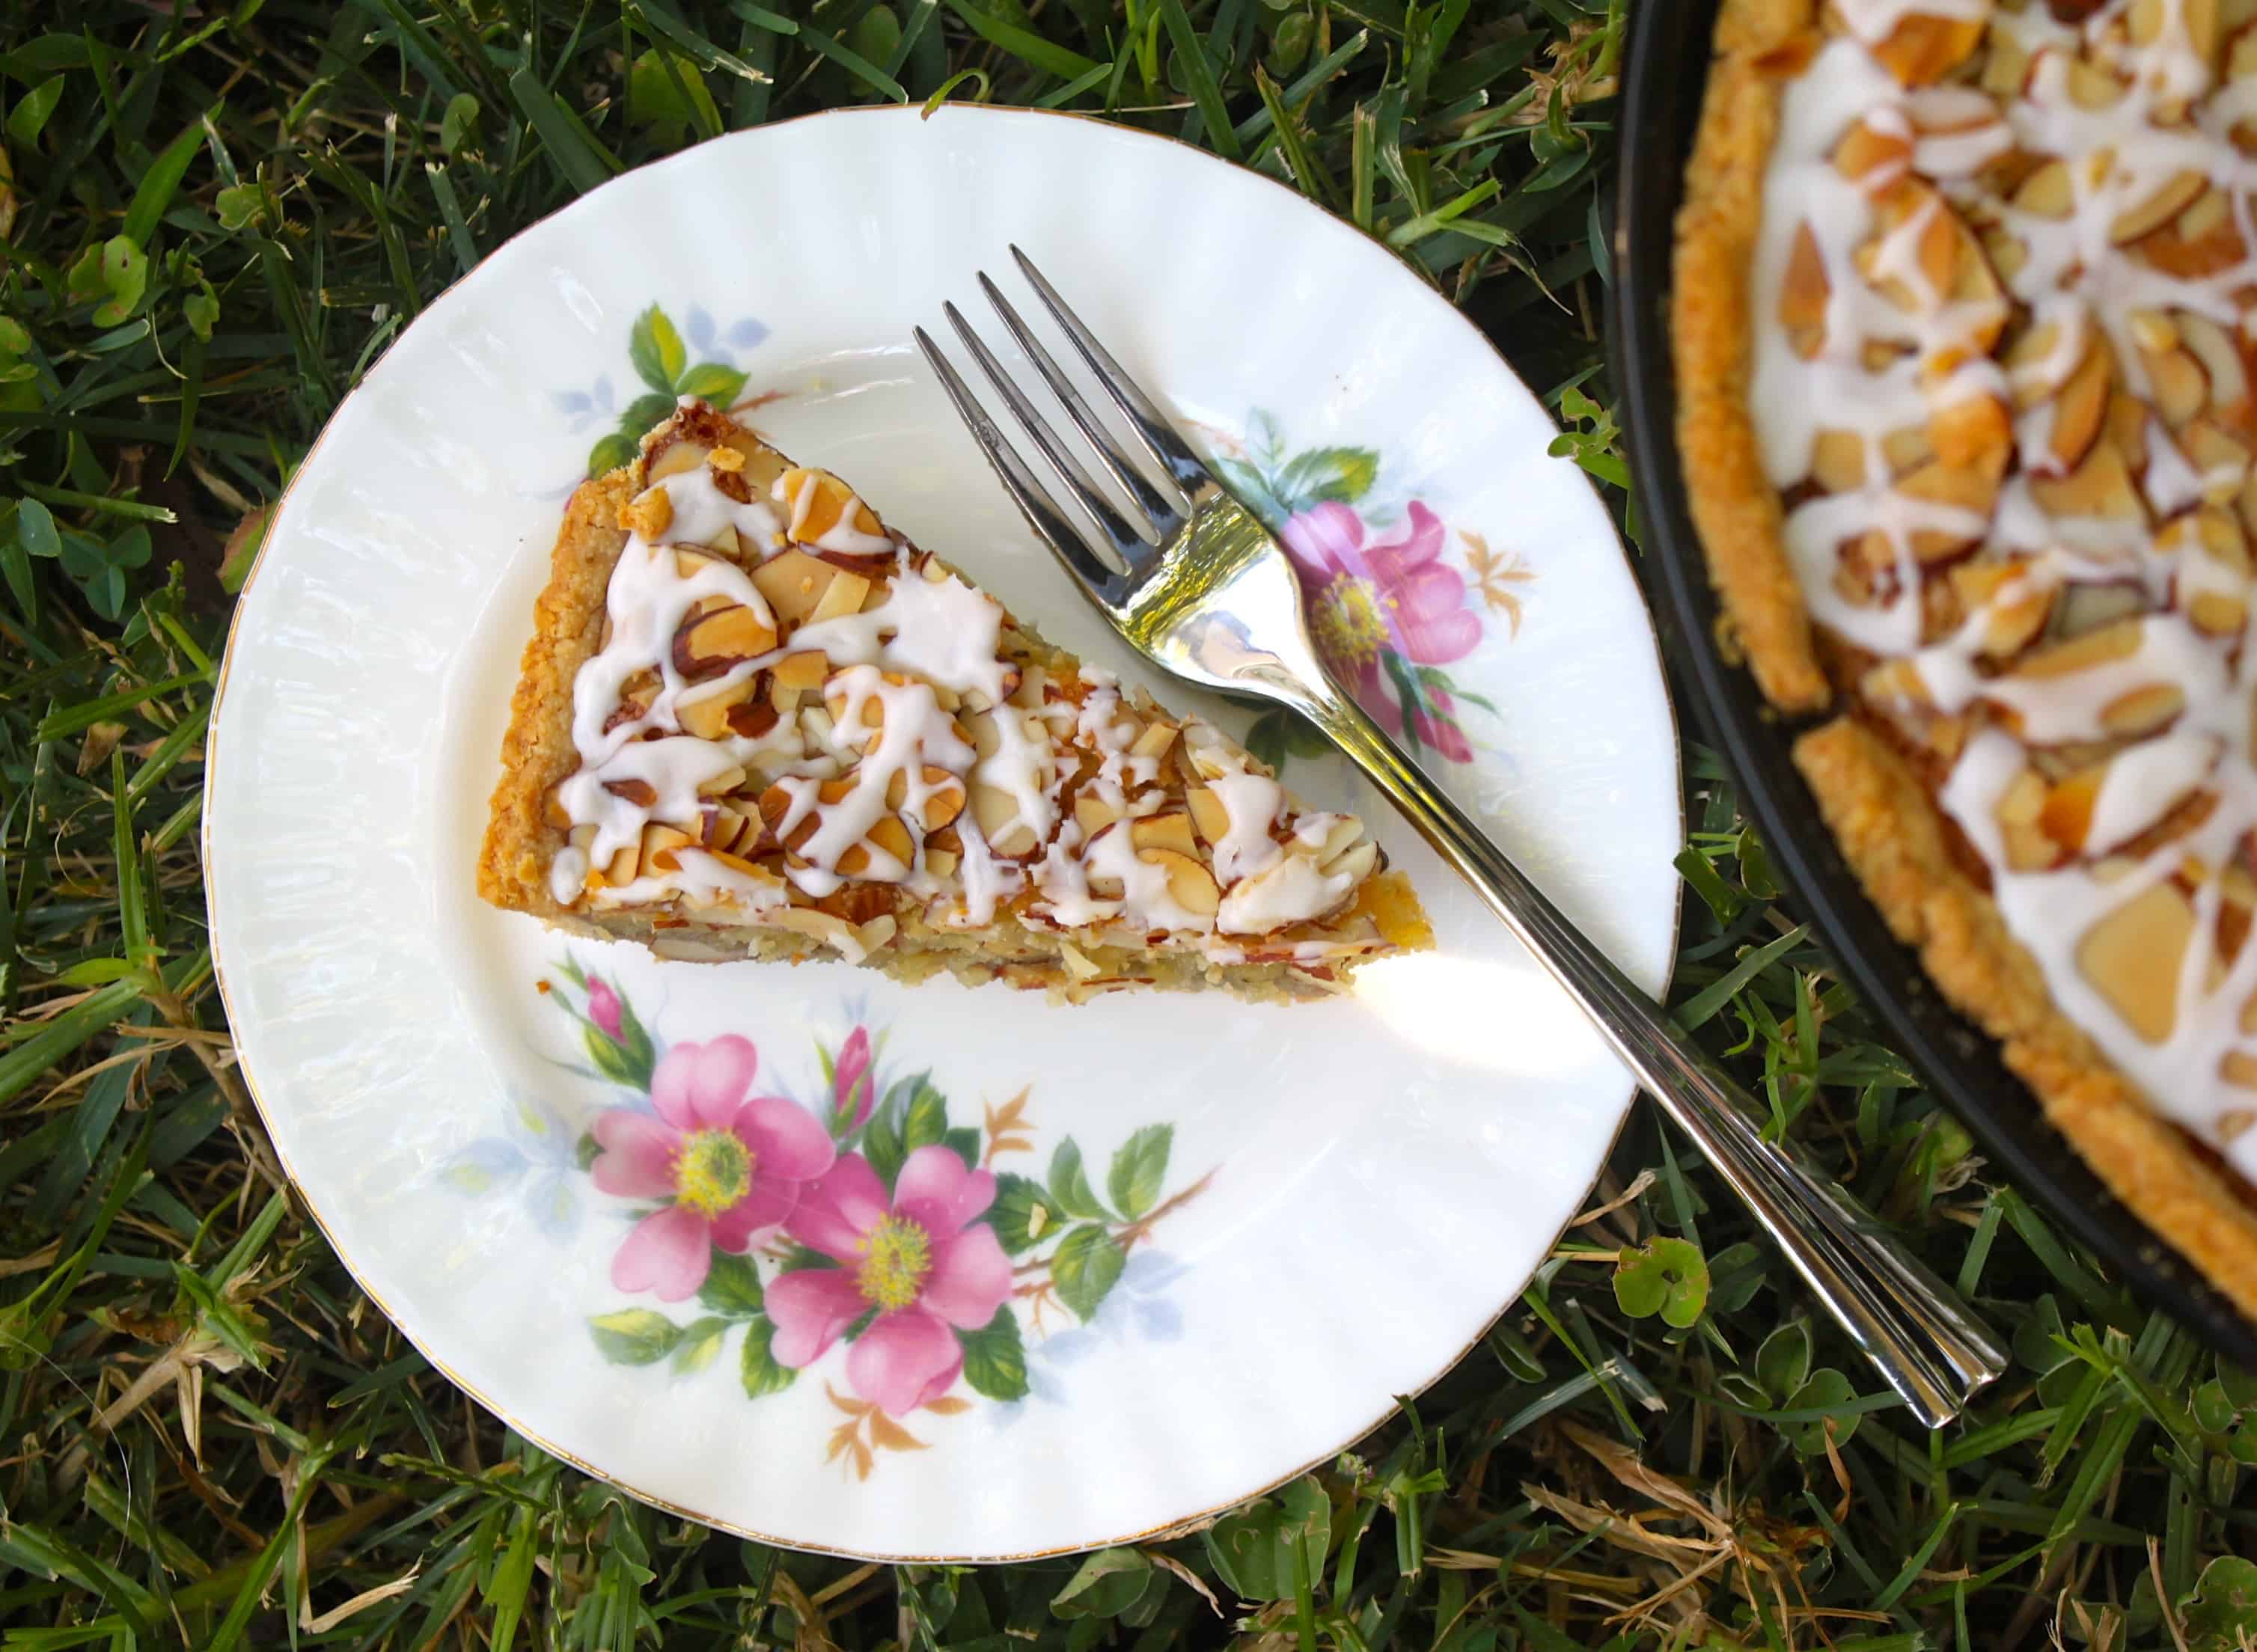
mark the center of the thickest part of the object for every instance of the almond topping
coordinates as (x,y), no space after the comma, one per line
(711,643)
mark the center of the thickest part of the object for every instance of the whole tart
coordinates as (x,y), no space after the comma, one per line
(754,723)
(1963,316)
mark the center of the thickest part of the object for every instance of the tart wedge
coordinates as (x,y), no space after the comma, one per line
(754,723)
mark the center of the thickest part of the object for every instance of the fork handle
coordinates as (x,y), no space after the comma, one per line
(1921,1337)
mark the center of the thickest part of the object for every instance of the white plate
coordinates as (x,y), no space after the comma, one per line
(1325,1205)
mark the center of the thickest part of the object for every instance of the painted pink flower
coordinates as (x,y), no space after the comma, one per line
(1399,597)
(732,1166)
(918,1260)
(603,1007)
(853,1086)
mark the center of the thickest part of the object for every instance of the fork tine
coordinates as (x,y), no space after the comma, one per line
(1163,515)
(1123,539)
(1041,511)
(1174,455)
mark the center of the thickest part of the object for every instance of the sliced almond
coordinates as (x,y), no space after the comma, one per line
(1191,885)
(2132,956)
(941,863)
(1093,814)
(2164,204)
(711,643)
(2077,409)
(803,671)
(678,457)
(658,844)
(709,716)
(2143,709)
(2048,192)
(842,596)
(2120,639)
(1870,158)
(1355,865)
(1208,814)
(1803,293)
(1838,461)
(818,502)
(1154,741)
(1169,830)
(1921,49)
(2101,486)
(794,583)
(997,814)
(640,793)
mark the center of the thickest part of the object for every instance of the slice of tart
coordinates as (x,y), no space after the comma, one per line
(754,723)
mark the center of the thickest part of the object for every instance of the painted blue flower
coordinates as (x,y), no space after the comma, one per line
(1136,1309)
(539,1151)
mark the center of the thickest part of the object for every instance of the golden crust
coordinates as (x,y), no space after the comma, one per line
(1734,506)
(1884,820)
(1887,827)
(537,751)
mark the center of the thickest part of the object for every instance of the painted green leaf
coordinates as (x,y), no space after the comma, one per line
(881,1141)
(924,1118)
(656,351)
(1085,1269)
(733,1287)
(635,1336)
(700,1343)
(1266,739)
(645,411)
(1826,1390)
(1668,1277)
(1252,492)
(1024,1212)
(995,1359)
(610,453)
(1257,1551)
(1139,1166)
(712,382)
(1069,1186)
(1107,1583)
(757,1366)
(1327,476)
(1783,1361)
(2221,1615)
(964,1144)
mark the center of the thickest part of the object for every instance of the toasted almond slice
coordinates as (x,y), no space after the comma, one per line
(658,844)
(1190,884)
(1169,830)
(1208,814)
(640,793)
(1838,461)
(2066,813)
(2143,709)
(804,670)
(794,583)
(892,835)
(818,502)
(1923,49)
(941,863)
(1973,433)
(1354,865)
(710,643)
(1093,814)
(2101,486)
(1803,292)
(1154,741)
(2130,957)
(2010,623)
(2078,408)
(2118,639)
(816,926)
(997,814)
(1871,159)
(2047,192)
(678,457)
(842,596)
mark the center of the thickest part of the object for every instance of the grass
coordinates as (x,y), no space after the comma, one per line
(219,214)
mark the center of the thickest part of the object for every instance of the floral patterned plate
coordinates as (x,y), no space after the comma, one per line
(932,1271)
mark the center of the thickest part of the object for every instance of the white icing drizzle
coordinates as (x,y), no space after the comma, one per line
(1253,802)
(1888,358)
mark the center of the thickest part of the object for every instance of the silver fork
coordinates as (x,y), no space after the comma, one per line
(1200,588)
